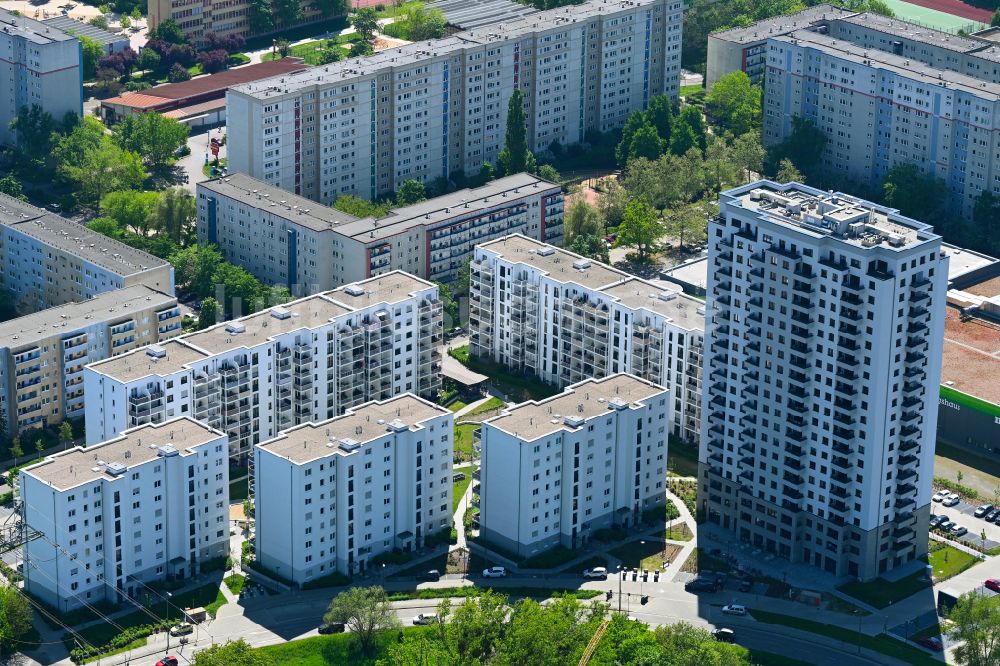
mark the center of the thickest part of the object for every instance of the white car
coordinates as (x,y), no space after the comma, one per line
(597,572)
(494,572)
(940,495)
(951,500)
(426,618)
(734,609)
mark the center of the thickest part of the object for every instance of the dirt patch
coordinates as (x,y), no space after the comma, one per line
(990,287)
(978,333)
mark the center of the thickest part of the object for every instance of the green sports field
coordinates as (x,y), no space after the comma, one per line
(932,18)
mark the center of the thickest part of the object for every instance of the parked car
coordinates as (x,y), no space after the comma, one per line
(940,495)
(746,585)
(982,510)
(168,661)
(458,476)
(182,629)
(951,500)
(494,572)
(331,628)
(432,575)
(936,520)
(932,643)
(997,519)
(725,635)
(958,530)
(701,585)
(597,572)
(992,584)
(991,516)
(426,618)
(946,525)
(734,609)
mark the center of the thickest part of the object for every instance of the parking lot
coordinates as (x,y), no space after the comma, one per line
(962,513)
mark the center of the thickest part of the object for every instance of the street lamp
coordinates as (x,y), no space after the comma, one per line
(621,574)
(641,573)
(169,596)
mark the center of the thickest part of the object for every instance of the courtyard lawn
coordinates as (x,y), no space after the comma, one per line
(458,487)
(463,440)
(648,555)
(881,593)
(949,561)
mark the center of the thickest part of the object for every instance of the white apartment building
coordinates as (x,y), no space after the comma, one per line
(879,110)
(304,361)
(42,355)
(148,506)
(333,495)
(592,457)
(823,358)
(47,260)
(42,66)
(283,238)
(564,318)
(423,111)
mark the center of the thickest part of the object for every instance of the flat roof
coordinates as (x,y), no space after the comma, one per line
(902,66)
(76,239)
(847,218)
(465,14)
(987,288)
(258,328)
(358,425)
(307,213)
(780,25)
(962,261)
(81,29)
(132,448)
(110,306)
(416,52)
(917,33)
(970,358)
(693,272)
(30,29)
(584,400)
(388,288)
(625,288)
(138,363)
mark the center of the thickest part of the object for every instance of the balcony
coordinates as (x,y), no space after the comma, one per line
(842,463)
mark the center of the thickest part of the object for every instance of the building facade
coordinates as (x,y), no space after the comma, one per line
(555,471)
(331,496)
(305,361)
(42,66)
(283,238)
(564,318)
(222,17)
(427,110)
(47,260)
(148,506)
(42,355)
(823,359)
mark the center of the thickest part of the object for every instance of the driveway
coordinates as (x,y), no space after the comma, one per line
(198,143)
(962,514)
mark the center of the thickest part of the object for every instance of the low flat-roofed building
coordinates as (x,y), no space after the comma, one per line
(331,496)
(112,42)
(557,470)
(145,507)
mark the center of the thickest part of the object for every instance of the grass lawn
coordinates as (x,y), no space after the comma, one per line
(458,489)
(649,555)
(838,605)
(239,490)
(682,458)
(463,440)
(137,643)
(516,387)
(550,559)
(337,649)
(699,561)
(880,592)
(457,405)
(235,583)
(310,52)
(474,591)
(690,90)
(207,168)
(949,561)
(678,533)
(490,405)
(882,643)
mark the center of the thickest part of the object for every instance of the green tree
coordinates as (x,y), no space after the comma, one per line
(72,148)
(688,131)
(361,49)
(208,313)
(416,22)
(33,128)
(260,16)
(126,22)
(720,168)
(646,143)
(581,219)
(449,305)
(410,192)
(787,173)
(749,154)
(99,21)
(416,651)
(65,434)
(365,22)
(194,267)
(515,156)
(287,12)
(366,611)
(985,217)
(136,14)
(40,444)
(734,103)
(106,226)
(93,51)
(636,121)
(660,114)
(976,629)
(11,186)
(152,135)
(240,289)
(803,146)
(105,169)
(475,627)
(148,60)
(178,73)
(689,224)
(612,202)
(594,247)
(359,207)
(549,173)
(640,228)
(557,633)
(174,213)
(688,644)
(914,193)
(995,19)
(131,210)
(333,7)
(486,173)
(232,653)
(15,620)
(168,31)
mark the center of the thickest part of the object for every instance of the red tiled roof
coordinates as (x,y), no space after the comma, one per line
(196,109)
(136,100)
